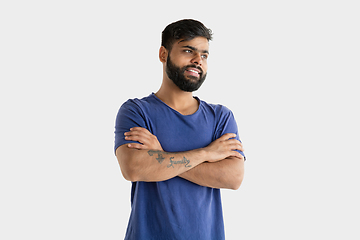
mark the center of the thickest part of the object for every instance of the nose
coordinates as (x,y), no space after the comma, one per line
(197,59)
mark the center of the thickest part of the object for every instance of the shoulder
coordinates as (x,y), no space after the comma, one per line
(136,102)
(138,105)
(217,109)
(133,113)
(222,115)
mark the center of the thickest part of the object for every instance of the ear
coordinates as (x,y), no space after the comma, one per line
(163,53)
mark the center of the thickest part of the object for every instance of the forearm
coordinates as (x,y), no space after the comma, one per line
(227,173)
(152,165)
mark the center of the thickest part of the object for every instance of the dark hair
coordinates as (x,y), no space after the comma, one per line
(186,29)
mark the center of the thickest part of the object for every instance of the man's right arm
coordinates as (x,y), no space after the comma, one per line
(155,165)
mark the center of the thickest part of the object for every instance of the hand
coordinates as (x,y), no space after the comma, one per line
(146,139)
(224,147)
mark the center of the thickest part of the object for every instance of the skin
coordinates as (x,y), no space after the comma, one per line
(216,166)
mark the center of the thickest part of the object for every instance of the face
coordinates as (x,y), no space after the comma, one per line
(186,64)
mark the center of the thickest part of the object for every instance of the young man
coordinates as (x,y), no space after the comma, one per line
(177,150)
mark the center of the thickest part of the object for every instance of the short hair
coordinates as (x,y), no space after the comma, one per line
(185,29)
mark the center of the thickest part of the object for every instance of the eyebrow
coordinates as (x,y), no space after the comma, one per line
(195,49)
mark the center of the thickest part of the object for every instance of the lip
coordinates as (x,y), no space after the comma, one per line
(193,73)
(194,70)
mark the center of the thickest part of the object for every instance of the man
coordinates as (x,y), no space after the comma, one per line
(177,150)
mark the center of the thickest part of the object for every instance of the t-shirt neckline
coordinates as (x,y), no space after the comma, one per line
(199,101)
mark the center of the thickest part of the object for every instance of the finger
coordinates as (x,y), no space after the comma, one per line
(241,147)
(135,146)
(139,132)
(136,129)
(237,154)
(139,129)
(234,144)
(238,146)
(233,141)
(132,133)
(136,138)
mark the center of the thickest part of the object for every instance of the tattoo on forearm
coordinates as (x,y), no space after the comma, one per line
(160,158)
(183,161)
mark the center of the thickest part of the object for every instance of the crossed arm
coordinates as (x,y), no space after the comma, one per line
(216,166)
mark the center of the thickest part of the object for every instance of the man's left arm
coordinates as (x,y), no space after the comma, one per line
(227,173)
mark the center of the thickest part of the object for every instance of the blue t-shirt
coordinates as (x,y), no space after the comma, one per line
(175,208)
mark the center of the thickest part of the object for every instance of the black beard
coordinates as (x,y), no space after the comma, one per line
(176,74)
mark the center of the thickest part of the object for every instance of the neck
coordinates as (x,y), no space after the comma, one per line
(179,100)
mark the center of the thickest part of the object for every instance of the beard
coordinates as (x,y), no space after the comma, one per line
(177,75)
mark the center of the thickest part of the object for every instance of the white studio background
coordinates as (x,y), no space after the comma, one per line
(287,69)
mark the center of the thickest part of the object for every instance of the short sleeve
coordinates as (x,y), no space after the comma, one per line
(227,124)
(129,115)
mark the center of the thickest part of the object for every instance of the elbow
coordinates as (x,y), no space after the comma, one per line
(129,176)
(235,185)
(128,170)
(238,176)
(233,181)
(129,173)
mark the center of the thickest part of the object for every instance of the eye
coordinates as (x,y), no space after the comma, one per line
(188,51)
(204,56)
